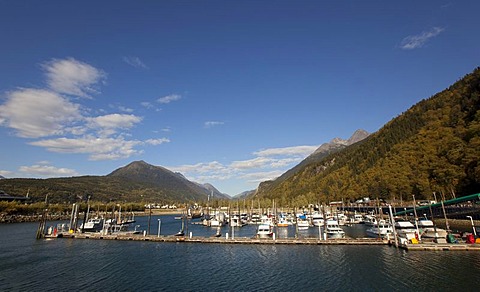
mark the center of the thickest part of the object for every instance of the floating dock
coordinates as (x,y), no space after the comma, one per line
(430,246)
(441,247)
(221,240)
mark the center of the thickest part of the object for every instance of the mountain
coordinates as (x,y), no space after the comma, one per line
(432,147)
(244,195)
(321,152)
(216,193)
(1,177)
(135,182)
(140,171)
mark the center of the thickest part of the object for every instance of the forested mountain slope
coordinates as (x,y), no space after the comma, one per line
(432,147)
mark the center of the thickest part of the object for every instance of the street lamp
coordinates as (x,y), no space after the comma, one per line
(159,224)
(473,226)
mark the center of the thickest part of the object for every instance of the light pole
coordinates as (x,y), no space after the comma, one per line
(473,226)
(159,224)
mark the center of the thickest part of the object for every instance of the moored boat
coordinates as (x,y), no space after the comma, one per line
(264,231)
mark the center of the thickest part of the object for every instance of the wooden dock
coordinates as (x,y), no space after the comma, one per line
(441,247)
(220,240)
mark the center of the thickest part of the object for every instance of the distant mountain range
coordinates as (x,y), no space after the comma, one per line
(135,182)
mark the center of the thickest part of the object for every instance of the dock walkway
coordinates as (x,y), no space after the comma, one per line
(221,240)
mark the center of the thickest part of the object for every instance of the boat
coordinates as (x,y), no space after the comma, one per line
(334,230)
(381,230)
(255,219)
(283,222)
(317,219)
(406,231)
(264,231)
(428,230)
(236,221)
(302,221)
(92,225)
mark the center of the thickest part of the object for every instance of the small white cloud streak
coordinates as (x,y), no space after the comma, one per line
(258,177)
(73,77)
(42,170)
(287,151)
(210,124)
(418,41)
(169,98)
(135,62)
(157,141)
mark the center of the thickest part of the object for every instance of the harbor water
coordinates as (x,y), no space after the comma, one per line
(27,264)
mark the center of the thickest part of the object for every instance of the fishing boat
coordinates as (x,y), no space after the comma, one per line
(264,231)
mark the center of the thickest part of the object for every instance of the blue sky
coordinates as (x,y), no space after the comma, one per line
(227,92)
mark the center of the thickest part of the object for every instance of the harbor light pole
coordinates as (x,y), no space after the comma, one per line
(159,225)
(473,226)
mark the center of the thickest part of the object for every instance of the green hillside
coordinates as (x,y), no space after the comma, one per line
(135,182)
(432,147)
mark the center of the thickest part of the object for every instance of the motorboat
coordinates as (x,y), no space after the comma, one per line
(334,230)
(236,221)
(428,230)
(264,231)
(381,230)
(283,222)
(406,231)
(92,225)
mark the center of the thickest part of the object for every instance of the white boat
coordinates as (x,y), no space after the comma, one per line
(236,221)
(357,219)
(317,219)
(255,219)
(92,225)
(334,230)
(405,230)
(382,230)
(428,230)
(264,231)
(283,222)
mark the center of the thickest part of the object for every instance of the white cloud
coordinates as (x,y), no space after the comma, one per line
(258,177)
(135,62)
(211,124)
(287,151)
(72,77)
(418,41)
(37,113)
(157,141)
(169,98)
(5,173)
(258,162)
(42,170)
(113,121)
(98,148)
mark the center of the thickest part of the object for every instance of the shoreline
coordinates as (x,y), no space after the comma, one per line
(17,218)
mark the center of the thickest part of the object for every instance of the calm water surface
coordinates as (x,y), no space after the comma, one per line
(27,264)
